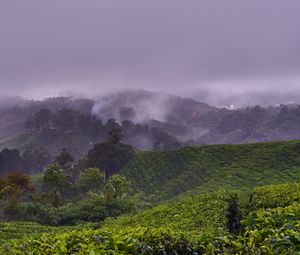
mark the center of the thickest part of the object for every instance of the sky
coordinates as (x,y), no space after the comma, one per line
(182,47)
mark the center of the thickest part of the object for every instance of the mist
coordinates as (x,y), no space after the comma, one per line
(215,51)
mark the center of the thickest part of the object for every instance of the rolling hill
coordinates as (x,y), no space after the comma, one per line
(211,167)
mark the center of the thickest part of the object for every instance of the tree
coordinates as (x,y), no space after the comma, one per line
(55,178)
(233,213)
(91,179)
(34,159)
(117,186)
(64,158)
(40,120)
(115,135)
(109,157)
(10,160)
(14,185)
(111,124)
(64,119)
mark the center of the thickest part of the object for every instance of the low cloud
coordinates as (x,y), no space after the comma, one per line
(222,48)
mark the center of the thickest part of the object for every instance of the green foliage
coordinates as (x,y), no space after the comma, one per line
(15,185)
(271,231)
(194,214)
(91,179)
(28,211)
(103,241)
(233,213)
(205,223)
(64,158)
(55,178)
(191,225)
(117,186)
(274,196)
(16,230)
(62,202)
(274,231)
(168,173)
(109,157)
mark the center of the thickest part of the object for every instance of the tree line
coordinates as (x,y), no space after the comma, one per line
(31,160)
(73,121)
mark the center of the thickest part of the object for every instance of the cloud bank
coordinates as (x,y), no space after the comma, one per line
(90,47)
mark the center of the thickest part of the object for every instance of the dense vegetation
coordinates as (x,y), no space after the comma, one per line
(47,124)
(31,160)
(251,124)
(168,173)
(154,231)
(218,201)
(68,192)
(149,120)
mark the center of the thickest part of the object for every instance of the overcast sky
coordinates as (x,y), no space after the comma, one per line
(90,46)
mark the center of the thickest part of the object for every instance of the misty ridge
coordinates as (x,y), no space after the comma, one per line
(148,120)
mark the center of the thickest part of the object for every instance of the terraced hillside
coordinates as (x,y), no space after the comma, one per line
(195,214)
(168,173)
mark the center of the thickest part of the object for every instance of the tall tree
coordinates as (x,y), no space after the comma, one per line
(109,157)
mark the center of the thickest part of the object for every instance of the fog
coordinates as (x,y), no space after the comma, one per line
(221,52)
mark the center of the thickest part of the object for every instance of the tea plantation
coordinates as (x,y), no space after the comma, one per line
(193,224)
(209,167)
(223,199)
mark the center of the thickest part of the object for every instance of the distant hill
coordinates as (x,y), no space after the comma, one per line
(137,108)
(176,120)
(15,111)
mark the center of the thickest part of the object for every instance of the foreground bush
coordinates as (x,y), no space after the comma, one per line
(273,196)
(272,231)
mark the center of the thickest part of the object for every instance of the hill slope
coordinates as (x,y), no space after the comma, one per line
(192,225)
(169,173)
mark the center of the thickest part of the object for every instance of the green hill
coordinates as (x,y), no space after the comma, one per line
(193,224)
(209,167)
